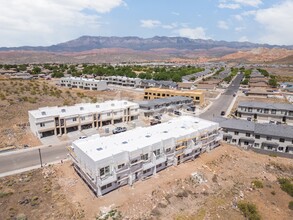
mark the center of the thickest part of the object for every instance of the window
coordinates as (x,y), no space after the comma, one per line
(168,150)
(159,165)
(146,171)
(280,148)
(82,118)
(145,156)
(249,109)
(134,161)
(115,113)
(106,186)
(42,124)
(247,134)
(282,140)
(120,166)
(233,140)
(236,132)
(157,152)
(257,137)
(196,98)
(104,170)
(108,114)
(266,111)
(274,111)
(245,143)
(269,138)
(256,145)
(73,119)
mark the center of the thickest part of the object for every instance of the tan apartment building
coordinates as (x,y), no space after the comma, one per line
(156,93)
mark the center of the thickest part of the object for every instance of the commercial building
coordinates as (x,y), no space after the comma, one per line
(107,163)
(156,93)
(155,106)
(83,83)
(268,137)
(50,121)
(281,112)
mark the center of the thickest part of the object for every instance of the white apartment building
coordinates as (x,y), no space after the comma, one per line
(50,121)
(83,83)
(106,163)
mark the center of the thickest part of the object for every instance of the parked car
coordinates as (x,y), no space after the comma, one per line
(177,113)
(223,112)
(82,137)
(158,117)
(119,130)
(155,122)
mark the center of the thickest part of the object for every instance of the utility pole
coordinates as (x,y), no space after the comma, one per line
(40,157)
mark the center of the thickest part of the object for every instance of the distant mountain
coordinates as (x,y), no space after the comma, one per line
(86,43)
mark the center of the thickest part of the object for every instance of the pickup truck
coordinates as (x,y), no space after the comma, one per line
(119,130)
(155,122)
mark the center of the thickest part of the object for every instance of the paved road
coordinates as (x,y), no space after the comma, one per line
(223,103)
(24,159)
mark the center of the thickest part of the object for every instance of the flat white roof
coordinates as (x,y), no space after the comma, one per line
(81,109)
(103,147)
(82,79)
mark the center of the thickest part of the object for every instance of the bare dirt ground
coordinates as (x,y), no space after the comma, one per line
(17,97)
(59,193)
(283,74)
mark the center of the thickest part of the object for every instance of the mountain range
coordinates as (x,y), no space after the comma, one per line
(134,49)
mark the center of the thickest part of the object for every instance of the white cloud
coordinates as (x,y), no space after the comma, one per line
(223,25)
(277,23)
(238,17)
(239,29)
(175,13)
(193,33)
(229,6)
(236,4)
(243,39)
(253,3)
(45,22)
(150,23)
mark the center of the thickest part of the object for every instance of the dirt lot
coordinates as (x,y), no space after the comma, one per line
(57,192)
(19,96)
(283,74)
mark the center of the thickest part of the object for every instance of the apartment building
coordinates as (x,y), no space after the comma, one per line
(155,106)
(269,137)
(281,112)
(51,121)
(122,81)
(83,83)
(106,163)
(156,93)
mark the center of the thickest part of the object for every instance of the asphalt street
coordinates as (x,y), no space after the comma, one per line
(223,103)
(26,158)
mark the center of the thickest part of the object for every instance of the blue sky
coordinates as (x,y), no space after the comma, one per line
(46,22)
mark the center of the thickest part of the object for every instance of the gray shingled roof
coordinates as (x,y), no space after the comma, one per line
(277,106)
(154,102)
(285,131)
(238,124)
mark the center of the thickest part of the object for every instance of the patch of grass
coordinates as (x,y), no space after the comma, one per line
(249,210)
(4,194)
(257,184)
(290,205)
(286,185)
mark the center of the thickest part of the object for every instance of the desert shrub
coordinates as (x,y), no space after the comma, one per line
(249,210)
(257,184)
(286,185)
(290,205)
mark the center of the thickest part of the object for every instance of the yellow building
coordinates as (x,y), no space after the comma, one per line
(156,93)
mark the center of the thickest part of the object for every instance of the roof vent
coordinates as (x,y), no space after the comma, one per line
(112,104)
(165,132)
(43,113)
(99,149)
(97,106)
(81,108)
(124,142)
(148,136)
(125,103)
(63,110)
